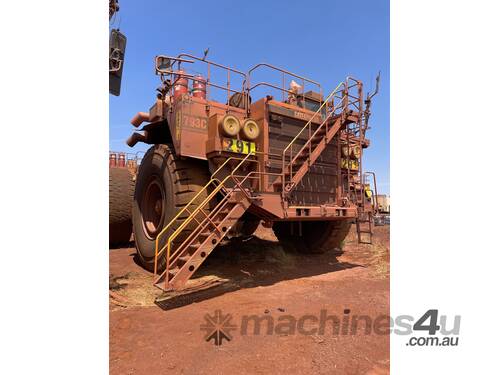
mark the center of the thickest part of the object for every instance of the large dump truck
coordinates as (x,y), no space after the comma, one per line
(122,174)
(221,162)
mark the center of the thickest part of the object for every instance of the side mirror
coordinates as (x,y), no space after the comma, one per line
(117,44)
(165,64)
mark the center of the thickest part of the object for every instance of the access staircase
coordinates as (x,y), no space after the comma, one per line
(226,200)
(344,113)
(340,109)
(207,224)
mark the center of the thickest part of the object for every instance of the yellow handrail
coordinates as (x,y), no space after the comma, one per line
(167,227)
(174,235)
(237,158)
(197,209)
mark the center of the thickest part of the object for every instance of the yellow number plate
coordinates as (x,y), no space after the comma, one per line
(238,146)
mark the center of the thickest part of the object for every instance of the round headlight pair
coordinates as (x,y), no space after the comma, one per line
(354,151)
(231,126)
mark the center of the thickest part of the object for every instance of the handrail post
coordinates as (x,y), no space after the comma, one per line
(303,93)
(310,145)
(167,267)
(283,176)
(283,86)
(228,86)
(208,81)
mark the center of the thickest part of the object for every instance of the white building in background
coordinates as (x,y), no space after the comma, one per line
(384,203)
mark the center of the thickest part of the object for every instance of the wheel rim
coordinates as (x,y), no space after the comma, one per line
(153,208)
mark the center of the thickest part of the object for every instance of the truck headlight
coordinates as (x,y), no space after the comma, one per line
(230,125)
(250,130)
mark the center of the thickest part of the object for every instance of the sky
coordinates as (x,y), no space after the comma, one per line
(322,40)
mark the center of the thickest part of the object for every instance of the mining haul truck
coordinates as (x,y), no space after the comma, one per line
(221,163)
(122,175)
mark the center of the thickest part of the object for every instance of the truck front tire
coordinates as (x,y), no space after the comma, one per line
(164,185)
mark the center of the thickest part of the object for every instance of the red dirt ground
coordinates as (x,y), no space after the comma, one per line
(264,280)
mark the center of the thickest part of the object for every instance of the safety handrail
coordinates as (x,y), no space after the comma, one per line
(228,70)
(285,72)
(167,227)
(246,87)
(203,224)
(212,194)
(270,85)
(197,210)
(184,209)
(218,187)
(215,211)
(332,113)
(306,126)
(226,161)
(345,100)
(209,62)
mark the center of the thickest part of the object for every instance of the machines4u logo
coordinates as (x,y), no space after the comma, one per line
(437,327)
(431,329)
(218,327)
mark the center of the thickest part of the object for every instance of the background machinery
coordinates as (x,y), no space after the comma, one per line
(117,44)
(122,174)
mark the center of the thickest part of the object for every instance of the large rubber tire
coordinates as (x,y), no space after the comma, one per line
(121,195)
(249,227)
(317,236)
(164,185)
(245,226)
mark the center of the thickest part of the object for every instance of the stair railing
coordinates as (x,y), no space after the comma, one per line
(288,151)
(219,187)
(213,182)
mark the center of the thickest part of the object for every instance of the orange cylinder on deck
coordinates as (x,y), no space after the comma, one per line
(180,85)
(199,87)
(112,160)
(121,160)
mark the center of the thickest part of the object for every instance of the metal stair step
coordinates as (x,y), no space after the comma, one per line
(193,247)
(173,272)
(205,234)
(217,219)
(317,138)
(183,260)
(302,156)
